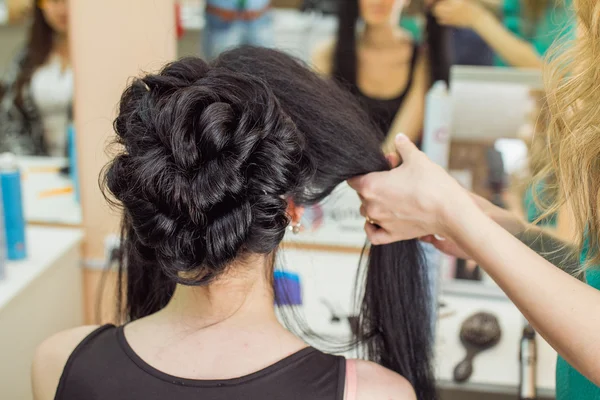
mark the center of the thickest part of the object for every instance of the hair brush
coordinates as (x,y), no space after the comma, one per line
(478,333)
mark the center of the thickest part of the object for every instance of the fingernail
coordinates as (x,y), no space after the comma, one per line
(440,238)
(401,137)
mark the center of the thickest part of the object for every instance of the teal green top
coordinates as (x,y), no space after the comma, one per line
(531,209)
(570,384)
(414,26)
(557,22)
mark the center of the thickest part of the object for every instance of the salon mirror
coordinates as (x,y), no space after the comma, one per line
(494,113)
(495,109)
(497,113)
(36,101)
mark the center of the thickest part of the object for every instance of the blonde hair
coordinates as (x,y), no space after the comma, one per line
(573,96)
(538,144)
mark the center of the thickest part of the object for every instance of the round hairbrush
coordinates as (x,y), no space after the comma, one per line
(478,333)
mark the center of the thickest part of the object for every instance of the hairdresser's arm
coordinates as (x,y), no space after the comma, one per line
(469,14)
(545,242)
(409,118)
(493,5)
(419,198)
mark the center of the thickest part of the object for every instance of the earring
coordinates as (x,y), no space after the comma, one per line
(296,228)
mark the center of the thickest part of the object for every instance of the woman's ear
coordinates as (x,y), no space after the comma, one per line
(295,212)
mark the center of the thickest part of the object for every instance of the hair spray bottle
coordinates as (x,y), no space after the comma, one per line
(2,241)
(12,204)
(528,365)
(74,172)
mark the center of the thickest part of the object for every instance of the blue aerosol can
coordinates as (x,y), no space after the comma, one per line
(73,171)
(12,203)
(2,242)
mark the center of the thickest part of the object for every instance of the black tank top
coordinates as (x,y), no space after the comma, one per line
(384,111)
(104,366)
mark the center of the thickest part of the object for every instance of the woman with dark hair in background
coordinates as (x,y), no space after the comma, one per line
(217,162)
(381,65)
(38,90)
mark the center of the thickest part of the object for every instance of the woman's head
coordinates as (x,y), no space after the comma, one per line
(211,178)
(381,12)
(50,19)
(55,13)
(573,84)
(212,157)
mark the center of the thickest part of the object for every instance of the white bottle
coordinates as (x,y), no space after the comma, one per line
(437,124)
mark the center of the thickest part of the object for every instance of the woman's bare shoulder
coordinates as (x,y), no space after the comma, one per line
(376,382)
(50,359)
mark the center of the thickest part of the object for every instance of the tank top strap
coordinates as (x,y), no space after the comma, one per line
(351,380)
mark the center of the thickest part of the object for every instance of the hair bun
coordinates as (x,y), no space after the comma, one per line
(209,158)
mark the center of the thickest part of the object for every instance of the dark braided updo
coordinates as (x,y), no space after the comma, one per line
(209,160)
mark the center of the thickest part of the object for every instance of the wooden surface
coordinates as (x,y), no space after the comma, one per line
(112,41)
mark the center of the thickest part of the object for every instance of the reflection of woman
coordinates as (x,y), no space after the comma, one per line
(38,90)
(218,161)
(528,29)
(383,66)
(419,199)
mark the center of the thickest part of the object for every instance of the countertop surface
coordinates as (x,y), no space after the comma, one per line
(48,195)
(45,246)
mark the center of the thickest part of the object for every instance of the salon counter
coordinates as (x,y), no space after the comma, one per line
(38,297)
(48,195)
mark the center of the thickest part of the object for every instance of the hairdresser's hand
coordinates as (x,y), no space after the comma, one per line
(508,220)
(414,200)
(458,13)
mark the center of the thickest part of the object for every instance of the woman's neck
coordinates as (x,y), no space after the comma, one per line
(380,35)
(242,297)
